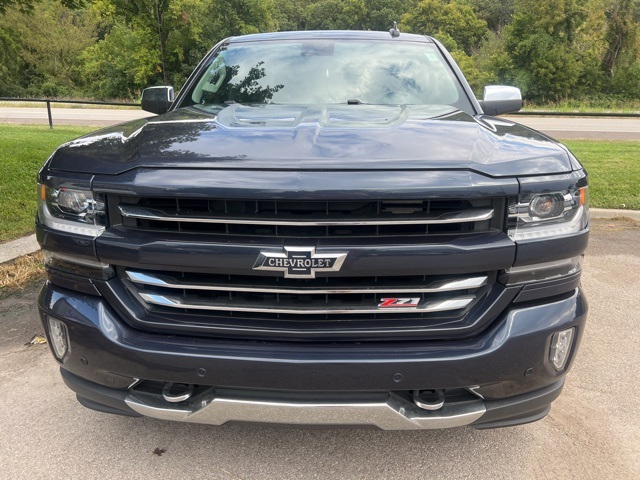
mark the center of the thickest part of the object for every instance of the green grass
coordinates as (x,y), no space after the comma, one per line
(593,105)
(614,171)
(23,150)
(613,166)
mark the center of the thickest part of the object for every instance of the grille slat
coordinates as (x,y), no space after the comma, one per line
(403,296)
(330,308)
(299,308)
(308,218)
(154,214)
(262,285)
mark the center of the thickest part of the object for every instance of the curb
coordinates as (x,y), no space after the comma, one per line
(26,245)
(17,248)
(613,213)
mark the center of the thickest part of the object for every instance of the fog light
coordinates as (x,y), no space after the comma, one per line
(560,348)
(59,337)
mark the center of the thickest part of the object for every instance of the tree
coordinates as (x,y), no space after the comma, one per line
(497,13)
(291,15)
(454,24)
(123,63)
(28,5)
(380,14)
(327,15)
(623,19)
(11,63)
(239,17)
(492,63)
(542,44)
(42,48)
(149,42)
(148,18)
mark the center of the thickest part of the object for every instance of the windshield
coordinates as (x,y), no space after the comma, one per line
(328,72)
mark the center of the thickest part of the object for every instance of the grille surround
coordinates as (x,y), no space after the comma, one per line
(301,313)
(337,327)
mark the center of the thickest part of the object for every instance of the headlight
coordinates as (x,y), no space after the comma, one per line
(549,214)
(72,210)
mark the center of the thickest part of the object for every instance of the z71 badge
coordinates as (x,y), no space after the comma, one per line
(399,302)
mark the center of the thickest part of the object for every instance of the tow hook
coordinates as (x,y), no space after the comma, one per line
(429,399)
(178,394)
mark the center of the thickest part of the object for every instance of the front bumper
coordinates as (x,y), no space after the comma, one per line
(387,411)
(317,383)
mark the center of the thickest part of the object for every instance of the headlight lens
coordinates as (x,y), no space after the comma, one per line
(73,202)
(547,206)
(72,210)
(550,214)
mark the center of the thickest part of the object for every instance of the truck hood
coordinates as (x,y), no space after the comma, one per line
(340,137)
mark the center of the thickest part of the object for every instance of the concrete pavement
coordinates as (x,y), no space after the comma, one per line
(17,248)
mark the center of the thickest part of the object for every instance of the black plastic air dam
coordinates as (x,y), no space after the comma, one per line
(490,414)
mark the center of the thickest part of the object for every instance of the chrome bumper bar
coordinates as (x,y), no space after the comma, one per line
(394,413)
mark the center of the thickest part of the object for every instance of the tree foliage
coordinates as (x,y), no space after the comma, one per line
(117,66)
(42,49)
(497,13)
(623,29)
(552,50)
(543,46)
(454,23)
(29,5)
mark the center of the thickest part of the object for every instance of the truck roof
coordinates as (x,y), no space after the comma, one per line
(330,34)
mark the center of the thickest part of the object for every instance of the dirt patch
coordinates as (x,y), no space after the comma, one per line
(19,318)
(16,275)
(614,224)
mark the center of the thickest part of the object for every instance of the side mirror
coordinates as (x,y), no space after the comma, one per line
(157,99)
(499,99)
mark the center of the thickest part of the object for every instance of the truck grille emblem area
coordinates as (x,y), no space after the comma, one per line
(399,302)
(299,262)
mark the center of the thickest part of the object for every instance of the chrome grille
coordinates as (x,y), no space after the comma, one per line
(236,296)
(329,308)
(308,218)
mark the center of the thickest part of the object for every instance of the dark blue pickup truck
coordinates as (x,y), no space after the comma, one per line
(322,228)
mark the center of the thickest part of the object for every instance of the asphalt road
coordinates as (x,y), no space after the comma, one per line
(592,432)
(558,127)
(599,128)
(95,117)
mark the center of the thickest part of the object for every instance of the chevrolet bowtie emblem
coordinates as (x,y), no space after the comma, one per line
(299,262)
